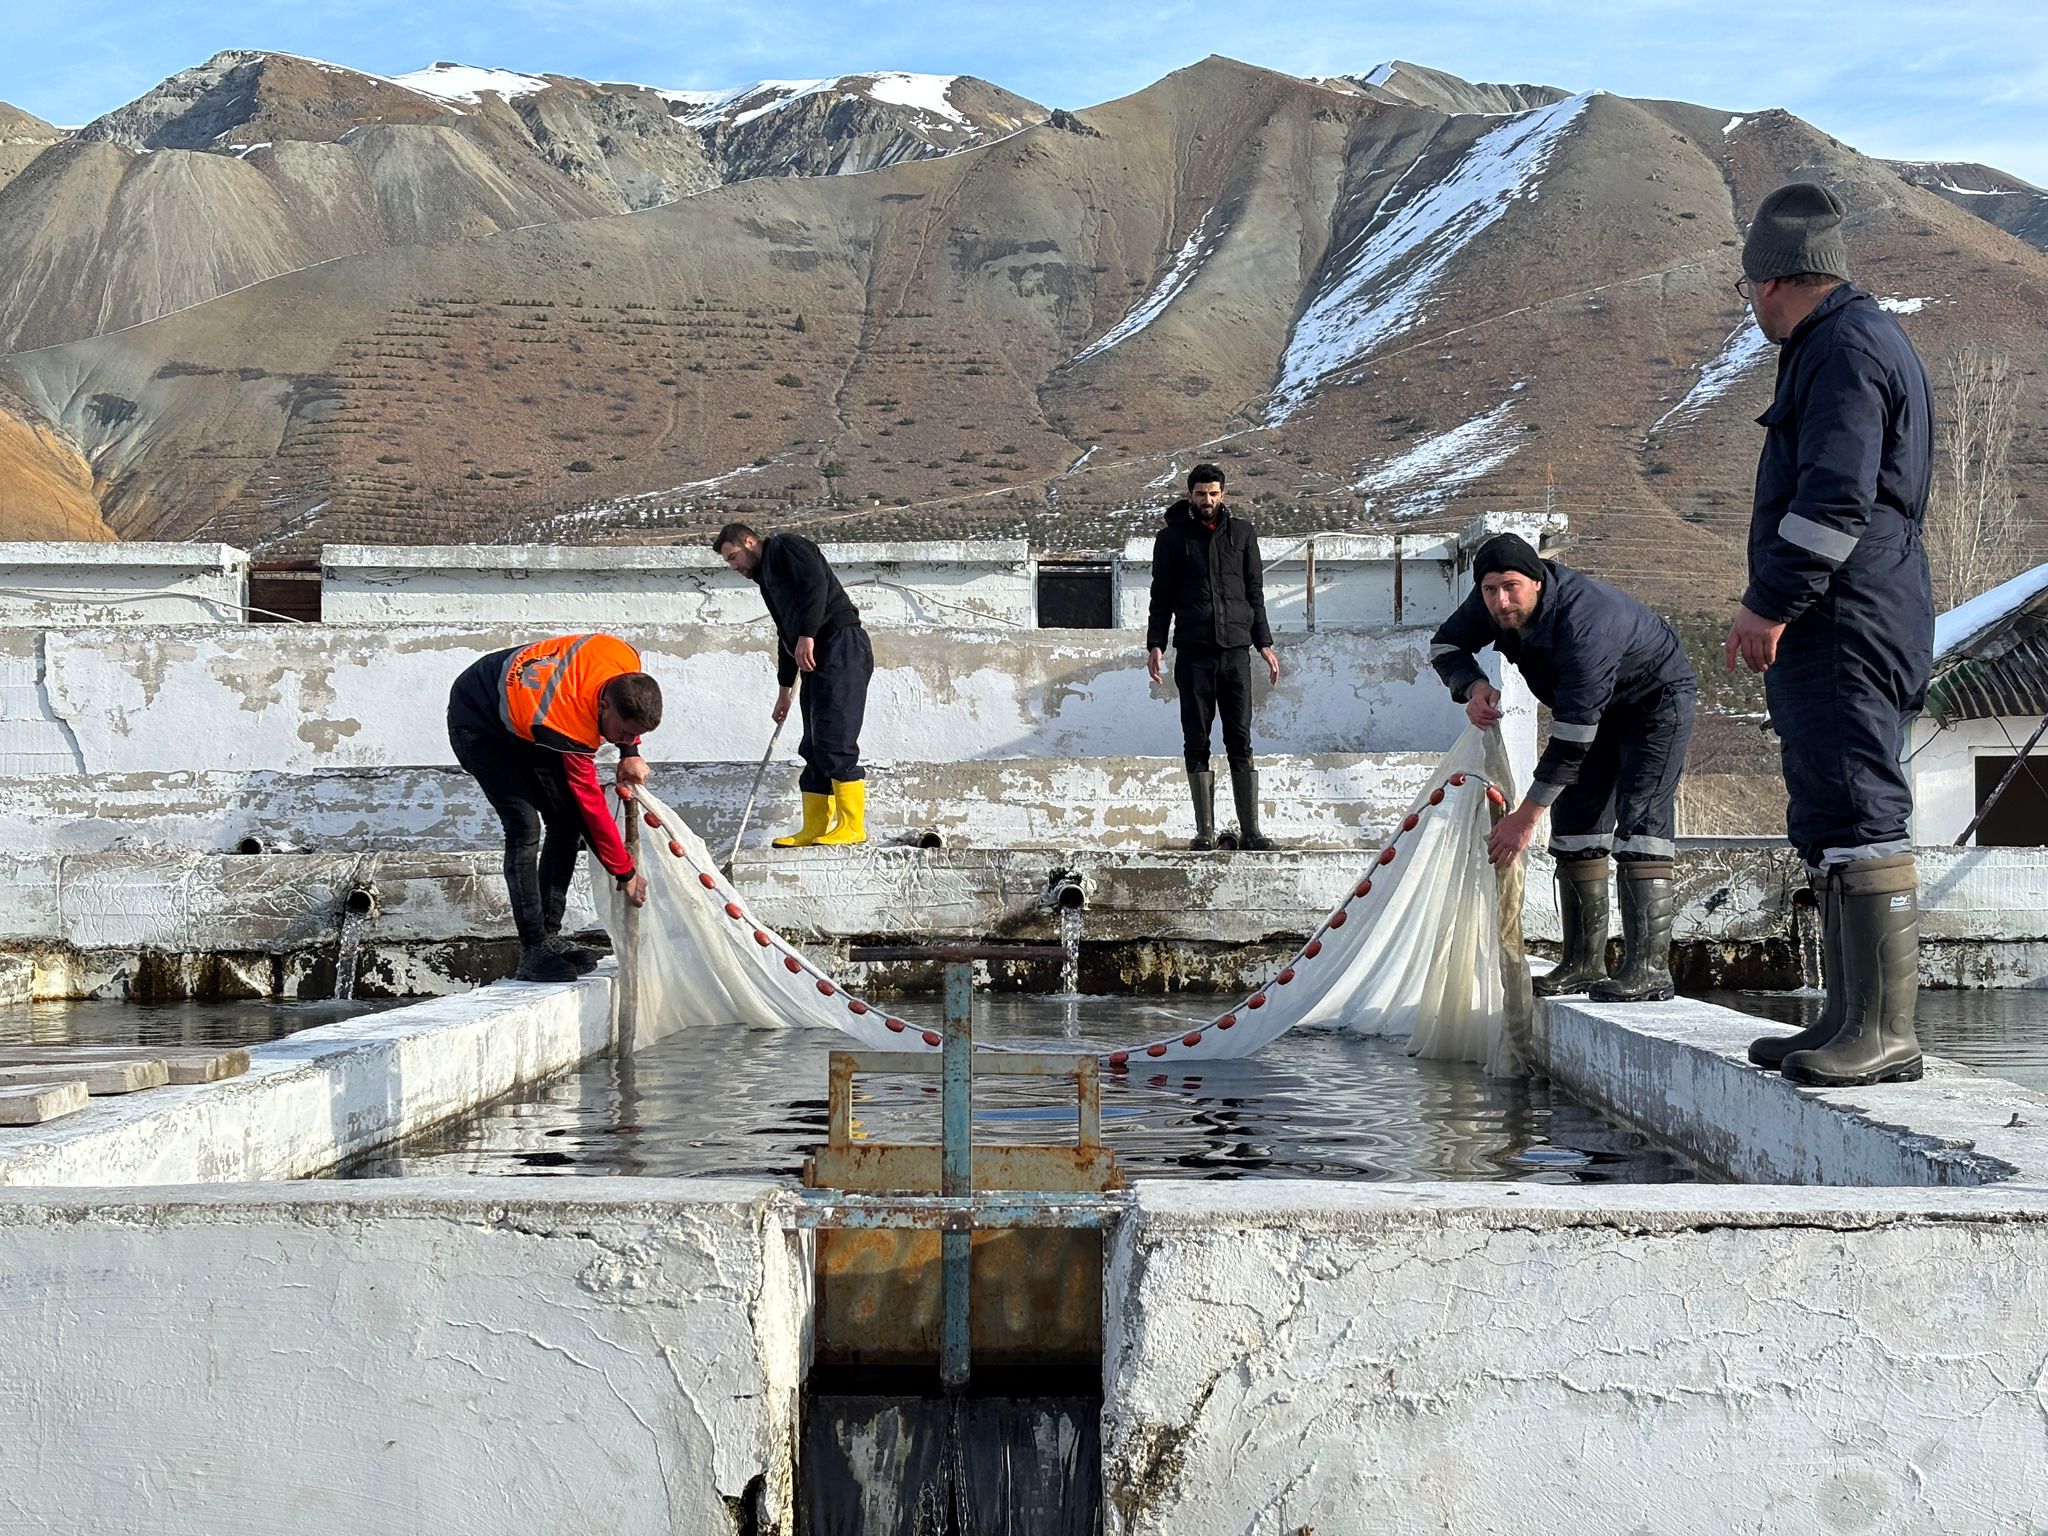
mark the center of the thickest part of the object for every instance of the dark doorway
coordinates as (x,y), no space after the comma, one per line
(1076,594)
(2020,819)
(282,591)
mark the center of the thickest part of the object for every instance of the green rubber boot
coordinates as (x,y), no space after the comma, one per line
(1771,1050)
(1583,913)
(1880,923)
(1648,904)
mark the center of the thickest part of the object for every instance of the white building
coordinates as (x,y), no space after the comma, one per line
(1988,700)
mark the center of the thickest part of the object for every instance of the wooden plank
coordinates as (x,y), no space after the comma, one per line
(130,1075)
(33,1103)
(187,1063)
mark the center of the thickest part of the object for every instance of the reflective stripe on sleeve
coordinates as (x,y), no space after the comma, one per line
(1565,730)
(1816,538)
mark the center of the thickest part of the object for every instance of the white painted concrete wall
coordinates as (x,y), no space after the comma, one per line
(45,584)
(1553,1361)
(458,1358)
(983,584)
(1944,769)
(298,699)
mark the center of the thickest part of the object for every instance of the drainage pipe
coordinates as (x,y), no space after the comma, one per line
(362,901)
(1067,891)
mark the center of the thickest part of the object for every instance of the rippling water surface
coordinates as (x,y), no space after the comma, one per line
(1316,1106)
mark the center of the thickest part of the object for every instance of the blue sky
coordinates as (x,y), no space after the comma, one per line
(1959,81)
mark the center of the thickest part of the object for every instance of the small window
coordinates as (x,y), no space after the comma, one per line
(1076,594)
(2020,818)
(280,592)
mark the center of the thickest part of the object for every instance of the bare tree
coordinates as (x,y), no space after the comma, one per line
(1975,537)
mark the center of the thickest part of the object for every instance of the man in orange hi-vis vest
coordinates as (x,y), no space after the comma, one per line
(527,724)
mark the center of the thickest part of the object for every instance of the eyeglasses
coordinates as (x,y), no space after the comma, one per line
(1744,287)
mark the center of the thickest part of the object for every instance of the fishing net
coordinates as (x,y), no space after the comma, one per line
(1424,945)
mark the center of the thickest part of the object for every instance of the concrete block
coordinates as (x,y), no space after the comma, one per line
(34,1103)
(104,1077)
(184,1063)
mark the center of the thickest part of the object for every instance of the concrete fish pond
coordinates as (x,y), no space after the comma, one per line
(465,1255)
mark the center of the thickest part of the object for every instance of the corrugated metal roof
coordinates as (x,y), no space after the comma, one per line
(2002,670)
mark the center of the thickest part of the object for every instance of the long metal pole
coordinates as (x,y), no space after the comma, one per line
(956,1170)
(626,1017)
(747,814)
(2010,774)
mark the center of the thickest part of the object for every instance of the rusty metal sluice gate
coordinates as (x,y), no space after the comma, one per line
(955,1252)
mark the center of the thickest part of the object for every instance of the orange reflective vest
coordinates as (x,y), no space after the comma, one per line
(548,694)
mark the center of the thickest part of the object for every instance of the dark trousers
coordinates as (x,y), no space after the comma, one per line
(1625,799)
(1212,681)
(529,789)
(833,701)
(1851,673)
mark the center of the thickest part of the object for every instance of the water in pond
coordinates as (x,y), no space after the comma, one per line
(1315,1106)
(2003,1033)
(93,1022)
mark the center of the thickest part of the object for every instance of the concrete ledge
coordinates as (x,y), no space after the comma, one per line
(1565,1359)
(442,1358)
(48,584)
(314,1099)
(1679,1070)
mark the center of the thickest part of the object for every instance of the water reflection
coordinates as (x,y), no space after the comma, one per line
(249,1022)
(2003,1033)
(1321,1106)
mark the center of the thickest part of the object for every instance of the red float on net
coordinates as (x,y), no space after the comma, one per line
(1155,1050)
(675,848)
(1315,947)
(855,1005)
(651,819)
(791,964)
(761,938)
(734,910)
(1118,1058)
(931,1037)
(1256,1000)
(1337,919)
(1386,855)
(826,989)
(1192,1037)
(1284,977)
(1493,793)
(1436,797)
(1457,781)
(707,882)
(894,1026)
(1228,1021)
(1364,888)
(1408,823)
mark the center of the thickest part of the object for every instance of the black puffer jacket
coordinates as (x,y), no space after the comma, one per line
(1209,584)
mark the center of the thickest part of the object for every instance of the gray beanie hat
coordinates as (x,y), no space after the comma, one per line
(1798,229)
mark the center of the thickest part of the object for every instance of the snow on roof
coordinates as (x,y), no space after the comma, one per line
(1383,288)
(1966,621)
(1448,460)
(1745,344)
(1163,293)
(466,83)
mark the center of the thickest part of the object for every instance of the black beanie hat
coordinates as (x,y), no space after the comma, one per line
(1798,228)
(1507,552)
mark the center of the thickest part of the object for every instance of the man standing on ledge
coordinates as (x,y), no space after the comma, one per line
(1839,617)
(1207,580)
(526,723)
(1621,697)
(818,637)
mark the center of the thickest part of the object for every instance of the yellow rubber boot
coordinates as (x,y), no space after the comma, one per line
(851,801)
(817,817)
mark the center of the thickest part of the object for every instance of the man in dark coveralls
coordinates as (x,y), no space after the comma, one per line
(1839,617)
(820,639)
(1209,589)
(1621,697)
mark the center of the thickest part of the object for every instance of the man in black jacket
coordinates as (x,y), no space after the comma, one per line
(1621,697)
(1840,610)
(818,637)
(1208,583)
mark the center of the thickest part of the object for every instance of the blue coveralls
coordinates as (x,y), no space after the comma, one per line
(1835,553)
(1621,697)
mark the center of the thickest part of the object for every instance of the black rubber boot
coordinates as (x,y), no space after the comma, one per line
(582,959)
(1880,922)
(539,963)
(1771,1050)
(1648,904)
(1582,912)
(1202,786)
(1244,789)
